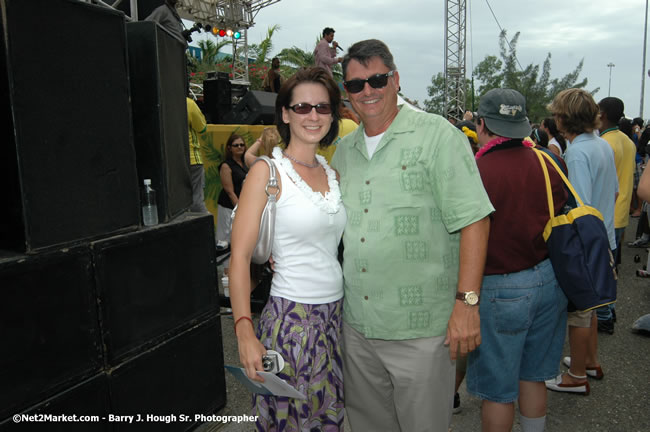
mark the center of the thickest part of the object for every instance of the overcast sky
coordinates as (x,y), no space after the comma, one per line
(598,31)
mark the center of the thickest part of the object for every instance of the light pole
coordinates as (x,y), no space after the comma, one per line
(645,40)
(610,65)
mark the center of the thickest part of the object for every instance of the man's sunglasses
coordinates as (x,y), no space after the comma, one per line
(375,81)
(305,108)
(238,145)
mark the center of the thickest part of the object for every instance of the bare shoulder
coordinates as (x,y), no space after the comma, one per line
(258,176)
(258,173)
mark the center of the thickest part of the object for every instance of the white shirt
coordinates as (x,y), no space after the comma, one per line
(308,229)
(372,143)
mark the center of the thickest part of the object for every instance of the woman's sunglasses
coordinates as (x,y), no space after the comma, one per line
(238,145)
(375,81)
(305,108)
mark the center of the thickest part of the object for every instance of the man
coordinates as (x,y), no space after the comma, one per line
(167,16)
(523,308)
(196,125)
(611,111)
(592,172)
(415,245)
(325,56)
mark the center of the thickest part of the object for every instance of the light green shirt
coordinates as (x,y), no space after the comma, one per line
(405,209)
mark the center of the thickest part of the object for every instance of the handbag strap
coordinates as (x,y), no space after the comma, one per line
(273,180)
(549,195)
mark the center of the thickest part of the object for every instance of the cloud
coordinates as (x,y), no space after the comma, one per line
(597,31)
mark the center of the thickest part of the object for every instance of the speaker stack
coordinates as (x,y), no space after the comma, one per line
(255,108)
(99,315)
(158,98)
(217,98)
(67,166)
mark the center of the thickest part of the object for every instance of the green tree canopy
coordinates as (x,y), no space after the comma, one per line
(533,81)
(261,51)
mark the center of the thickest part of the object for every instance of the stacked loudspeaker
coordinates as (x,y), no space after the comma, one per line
(256,107)
(99,315)
(217,98)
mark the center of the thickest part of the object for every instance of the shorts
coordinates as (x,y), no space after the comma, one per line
(523,325)
(580,318)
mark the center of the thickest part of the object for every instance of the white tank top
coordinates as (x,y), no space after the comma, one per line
(308,229)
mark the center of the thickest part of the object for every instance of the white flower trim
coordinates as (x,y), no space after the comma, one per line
(331,201)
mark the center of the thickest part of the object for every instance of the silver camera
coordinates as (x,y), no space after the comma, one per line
(272,362)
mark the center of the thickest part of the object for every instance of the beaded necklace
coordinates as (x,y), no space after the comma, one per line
(305,164)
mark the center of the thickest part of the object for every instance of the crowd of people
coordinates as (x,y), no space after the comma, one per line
(445,273)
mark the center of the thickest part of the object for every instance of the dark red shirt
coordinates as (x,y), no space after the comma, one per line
(514,181)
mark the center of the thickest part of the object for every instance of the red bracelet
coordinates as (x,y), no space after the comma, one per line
(241,318)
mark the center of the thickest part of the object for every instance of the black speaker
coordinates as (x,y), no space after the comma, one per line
(89,398)
(217,99)
(158,98)
(154,283)
(256,107)
(183,375)
(49,328)
(67,163)
(145,7)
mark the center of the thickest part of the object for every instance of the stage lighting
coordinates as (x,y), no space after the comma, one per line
(222,32)
(237,35)
(215,31)
(229,33)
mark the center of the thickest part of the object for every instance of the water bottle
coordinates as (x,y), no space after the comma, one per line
(225,283)
(149,208)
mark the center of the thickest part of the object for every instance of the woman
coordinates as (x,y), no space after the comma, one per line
(273,79)
(302,318)
(556,142)
(232,171)
(267,141)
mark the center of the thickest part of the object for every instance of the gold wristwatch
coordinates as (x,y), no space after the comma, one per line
(470,297)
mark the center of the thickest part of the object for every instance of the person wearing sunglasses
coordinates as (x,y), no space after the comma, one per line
(232,172)
(415,246)
(302,318)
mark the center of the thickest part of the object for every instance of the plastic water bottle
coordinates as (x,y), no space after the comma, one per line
(149,208)
(225,283)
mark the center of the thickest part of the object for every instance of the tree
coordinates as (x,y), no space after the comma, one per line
(296,58)
(533,82)
(436,92)
(260,51)
(209,58)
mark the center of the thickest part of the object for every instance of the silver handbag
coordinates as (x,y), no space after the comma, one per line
(264,244)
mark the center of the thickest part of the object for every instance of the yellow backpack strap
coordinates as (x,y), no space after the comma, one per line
(549,194)
(564,179)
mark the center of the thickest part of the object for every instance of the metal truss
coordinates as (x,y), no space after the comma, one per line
(455,39)
(236,15)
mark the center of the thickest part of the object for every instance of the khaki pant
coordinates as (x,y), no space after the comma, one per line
(393,386)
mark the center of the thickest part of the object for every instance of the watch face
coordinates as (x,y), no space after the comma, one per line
(471,298)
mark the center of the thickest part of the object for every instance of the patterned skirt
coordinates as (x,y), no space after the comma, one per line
(307,337)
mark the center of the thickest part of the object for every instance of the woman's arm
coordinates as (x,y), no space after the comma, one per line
(251,153)
(243,240)
(643,190)
(226,182)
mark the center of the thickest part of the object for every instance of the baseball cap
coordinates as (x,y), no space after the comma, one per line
(504,113)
